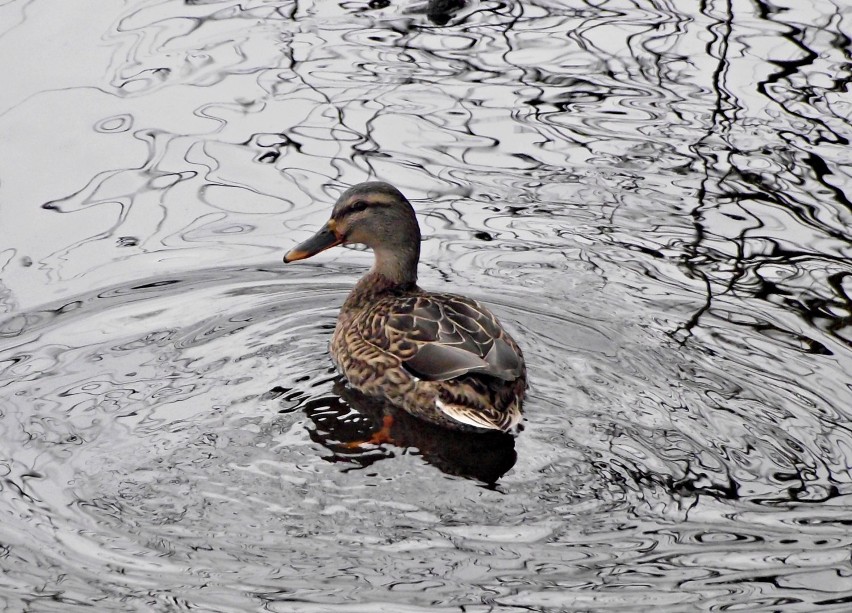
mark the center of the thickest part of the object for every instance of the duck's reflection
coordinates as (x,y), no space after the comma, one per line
(361,430)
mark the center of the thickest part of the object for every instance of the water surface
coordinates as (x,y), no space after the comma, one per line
(653,199)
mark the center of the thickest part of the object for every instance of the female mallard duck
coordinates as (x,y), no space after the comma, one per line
(440,357)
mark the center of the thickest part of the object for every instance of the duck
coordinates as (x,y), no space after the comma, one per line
(441,357)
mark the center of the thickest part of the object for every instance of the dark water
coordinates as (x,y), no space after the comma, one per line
(653,198)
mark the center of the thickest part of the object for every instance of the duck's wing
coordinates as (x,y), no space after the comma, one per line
(440,337)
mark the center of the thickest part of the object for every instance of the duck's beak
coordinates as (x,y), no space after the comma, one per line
(326,238)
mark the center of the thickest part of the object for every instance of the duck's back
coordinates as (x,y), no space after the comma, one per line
(442,357)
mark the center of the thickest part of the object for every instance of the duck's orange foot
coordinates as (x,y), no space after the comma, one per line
(383,435)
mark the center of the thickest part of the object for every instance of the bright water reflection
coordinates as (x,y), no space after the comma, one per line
(654,199)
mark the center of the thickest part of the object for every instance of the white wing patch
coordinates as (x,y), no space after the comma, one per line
(464,417)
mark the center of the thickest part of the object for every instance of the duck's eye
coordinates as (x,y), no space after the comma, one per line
(358,206)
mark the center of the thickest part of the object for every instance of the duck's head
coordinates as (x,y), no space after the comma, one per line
(375,214)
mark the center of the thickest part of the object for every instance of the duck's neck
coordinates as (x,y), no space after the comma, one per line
(394,271)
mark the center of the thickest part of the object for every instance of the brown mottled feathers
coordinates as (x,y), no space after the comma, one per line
(445,358)
(451,336)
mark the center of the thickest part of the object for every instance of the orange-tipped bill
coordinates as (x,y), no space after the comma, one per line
(322,240)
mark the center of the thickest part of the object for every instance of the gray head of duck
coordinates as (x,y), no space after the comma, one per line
(377,215)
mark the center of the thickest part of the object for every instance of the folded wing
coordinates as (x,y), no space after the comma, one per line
(441,338)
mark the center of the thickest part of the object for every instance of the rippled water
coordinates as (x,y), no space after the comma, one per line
(653,198)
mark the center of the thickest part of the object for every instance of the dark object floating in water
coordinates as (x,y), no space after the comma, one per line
(440,12)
